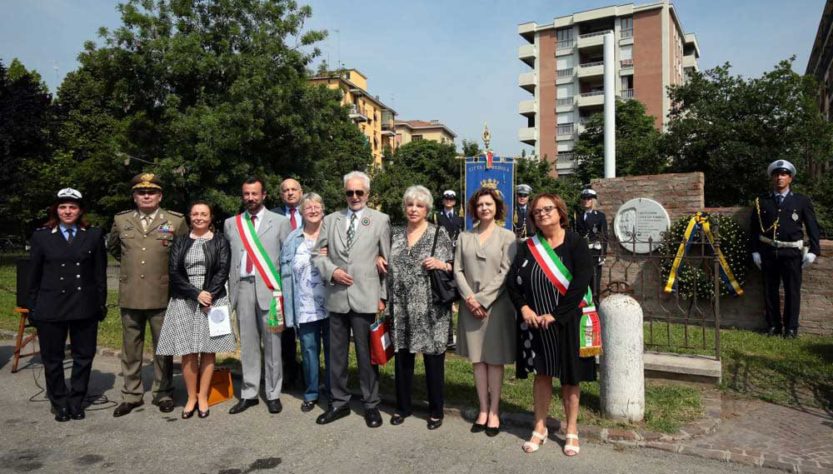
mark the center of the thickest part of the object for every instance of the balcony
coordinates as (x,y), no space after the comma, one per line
(527,135)
(592,69)
(626,63)
(565,76)
(527,53)
(592,98)
(690,61)
(627,94)
(528,108)
(624,34)
(566,162)
(528,81)
(592,39)
(565,131)
(356,115)
(565,103)
(565,47)
(527,31)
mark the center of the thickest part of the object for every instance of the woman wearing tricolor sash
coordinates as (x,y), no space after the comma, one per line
(548,282)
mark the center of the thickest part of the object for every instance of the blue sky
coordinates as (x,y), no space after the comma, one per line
(454,61)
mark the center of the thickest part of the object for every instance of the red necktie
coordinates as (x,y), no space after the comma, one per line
(292,222)
(249,263)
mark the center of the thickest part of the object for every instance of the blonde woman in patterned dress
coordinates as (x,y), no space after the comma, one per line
(419,325)
(198,268)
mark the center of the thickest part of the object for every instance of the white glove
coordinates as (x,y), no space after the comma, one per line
(756,258)
(809,258)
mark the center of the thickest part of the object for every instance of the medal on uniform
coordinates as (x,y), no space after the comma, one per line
(795,216)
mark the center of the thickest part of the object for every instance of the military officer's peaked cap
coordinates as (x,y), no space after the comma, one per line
(781,165)
(69,194)
(588,193)
(449,194)
(145,181)
(523,189)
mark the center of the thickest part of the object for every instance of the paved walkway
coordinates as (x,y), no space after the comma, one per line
(744,432)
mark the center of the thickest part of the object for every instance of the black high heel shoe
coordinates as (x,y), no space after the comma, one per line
(188,414)
(203,414)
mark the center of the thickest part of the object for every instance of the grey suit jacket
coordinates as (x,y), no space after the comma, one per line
(372,240)
(272,231)
(481,270)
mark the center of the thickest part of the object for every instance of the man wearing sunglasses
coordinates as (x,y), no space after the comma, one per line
(140,240)
(354,238)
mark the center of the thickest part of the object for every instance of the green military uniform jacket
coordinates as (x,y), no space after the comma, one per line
(143,278)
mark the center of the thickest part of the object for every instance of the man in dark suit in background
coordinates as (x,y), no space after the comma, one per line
(592,225)
(291,194)
(448,218)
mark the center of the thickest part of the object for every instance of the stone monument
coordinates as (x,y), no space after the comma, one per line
(639,224)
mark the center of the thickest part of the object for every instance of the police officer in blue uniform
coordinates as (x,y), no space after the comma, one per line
(67,296)
(592,225)
(448,218)
(523,224)
(779,220)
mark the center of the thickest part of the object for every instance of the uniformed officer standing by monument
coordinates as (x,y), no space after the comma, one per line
(141,239)
(779,219)
(592,225)
(522,219)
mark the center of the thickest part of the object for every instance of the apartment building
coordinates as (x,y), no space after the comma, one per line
(820,66)
(413,130)
(374,118)
(652,51)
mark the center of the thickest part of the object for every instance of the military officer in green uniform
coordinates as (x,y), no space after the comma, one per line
(140,240)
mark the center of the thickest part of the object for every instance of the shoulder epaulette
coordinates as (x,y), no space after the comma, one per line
(174,213)
(125,212)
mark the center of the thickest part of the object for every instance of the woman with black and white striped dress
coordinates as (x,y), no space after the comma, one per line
(548,332)
(198,267)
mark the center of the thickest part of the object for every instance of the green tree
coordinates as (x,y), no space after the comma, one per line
(536,173)
(210,92)
(731,128)
(26,127)
(431,164)
(638,144)
(471,148)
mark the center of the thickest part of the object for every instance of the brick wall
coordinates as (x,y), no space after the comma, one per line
(682,194)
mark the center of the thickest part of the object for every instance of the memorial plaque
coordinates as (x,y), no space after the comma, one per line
(639,224)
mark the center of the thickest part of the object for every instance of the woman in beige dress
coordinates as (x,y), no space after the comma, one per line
(486,326)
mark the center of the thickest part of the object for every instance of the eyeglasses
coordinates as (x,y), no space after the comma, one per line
(543,210)
(312,209)
(145,192)
(357,192)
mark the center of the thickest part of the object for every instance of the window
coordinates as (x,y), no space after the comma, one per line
(626,26)
(416,138)
(564,91)
(565,118)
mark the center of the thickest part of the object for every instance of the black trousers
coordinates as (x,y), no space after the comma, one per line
(291,368)
(434,381)
(340,326)
(782,267)
(52,336)
(597,275)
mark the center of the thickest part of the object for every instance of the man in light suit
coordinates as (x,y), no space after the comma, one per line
(354,238)
(251,297)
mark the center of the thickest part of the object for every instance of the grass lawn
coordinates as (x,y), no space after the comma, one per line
(788,372)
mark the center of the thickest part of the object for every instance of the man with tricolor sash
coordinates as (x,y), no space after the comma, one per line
(255,237)
(779,219)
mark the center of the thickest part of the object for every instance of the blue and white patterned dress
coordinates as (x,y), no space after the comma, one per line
(185,330)
(309,291)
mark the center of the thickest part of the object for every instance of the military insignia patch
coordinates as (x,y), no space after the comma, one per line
(795,216)
(365,221)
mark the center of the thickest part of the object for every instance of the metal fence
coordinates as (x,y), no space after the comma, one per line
(673,322)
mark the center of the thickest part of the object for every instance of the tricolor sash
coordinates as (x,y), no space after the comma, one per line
(264,265)
(701,221)
(590,331)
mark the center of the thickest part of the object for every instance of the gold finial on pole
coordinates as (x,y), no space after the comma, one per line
(487,136)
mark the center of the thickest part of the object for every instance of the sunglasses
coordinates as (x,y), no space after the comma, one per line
(523,195)
(350,193)
(145,192)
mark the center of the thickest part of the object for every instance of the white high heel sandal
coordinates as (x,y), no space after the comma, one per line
(529,447)
(568,449)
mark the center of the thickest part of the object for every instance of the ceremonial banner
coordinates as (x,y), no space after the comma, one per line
(500,175)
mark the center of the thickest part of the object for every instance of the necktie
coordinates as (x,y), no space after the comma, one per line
(292,222)
(145,222)
(70,235)
(351,231)
(779,198)
(249,263)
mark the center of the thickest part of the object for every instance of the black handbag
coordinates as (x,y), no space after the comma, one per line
(443,286)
